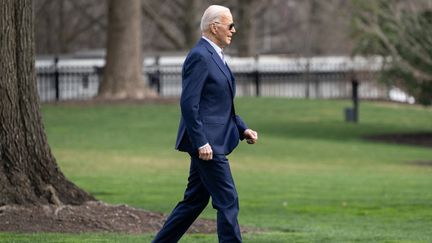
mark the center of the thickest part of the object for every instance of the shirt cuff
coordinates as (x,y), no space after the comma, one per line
(207,144)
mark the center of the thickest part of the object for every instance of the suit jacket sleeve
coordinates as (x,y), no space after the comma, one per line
(241,126)
(195,73)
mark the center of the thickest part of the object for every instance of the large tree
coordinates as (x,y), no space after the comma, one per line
(401,31)
(123,72)
(246,32)
(29,173)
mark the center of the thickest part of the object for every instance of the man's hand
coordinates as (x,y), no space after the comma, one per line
(205,152)
(251,136)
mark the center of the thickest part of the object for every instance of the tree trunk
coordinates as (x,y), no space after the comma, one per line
(123,73)
(191,23)
(246,32)
(28,171)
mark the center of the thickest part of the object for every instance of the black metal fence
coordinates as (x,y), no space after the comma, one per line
(67,82)
(79,79)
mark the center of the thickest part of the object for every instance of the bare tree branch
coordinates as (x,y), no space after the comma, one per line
(165,28)
(78,31)
(42,6)
(89,16)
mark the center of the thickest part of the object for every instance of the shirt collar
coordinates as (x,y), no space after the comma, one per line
(216,47)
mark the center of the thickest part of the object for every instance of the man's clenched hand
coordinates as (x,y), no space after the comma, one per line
(251,136)
(205,153)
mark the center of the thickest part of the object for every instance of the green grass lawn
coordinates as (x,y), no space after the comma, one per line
(310,178)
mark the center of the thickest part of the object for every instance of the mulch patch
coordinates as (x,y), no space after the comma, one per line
(423,139)
(425,163)
(90,217)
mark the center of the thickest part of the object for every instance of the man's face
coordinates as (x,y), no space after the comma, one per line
(224,30)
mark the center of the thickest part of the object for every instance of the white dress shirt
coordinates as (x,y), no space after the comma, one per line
(218,50)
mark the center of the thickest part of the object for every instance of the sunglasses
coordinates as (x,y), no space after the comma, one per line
(230,26)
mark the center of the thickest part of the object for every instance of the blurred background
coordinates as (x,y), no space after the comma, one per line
(289,27)
(289,48)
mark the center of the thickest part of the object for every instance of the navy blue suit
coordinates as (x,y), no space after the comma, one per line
(207,116)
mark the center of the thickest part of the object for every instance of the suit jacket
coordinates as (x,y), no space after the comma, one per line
(207,103)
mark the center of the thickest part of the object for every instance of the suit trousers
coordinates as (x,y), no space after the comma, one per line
(206,179)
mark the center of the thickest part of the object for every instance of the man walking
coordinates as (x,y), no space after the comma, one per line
(209,130)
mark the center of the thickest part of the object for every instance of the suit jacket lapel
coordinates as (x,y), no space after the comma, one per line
(220,64)
(216,58)
(232,80)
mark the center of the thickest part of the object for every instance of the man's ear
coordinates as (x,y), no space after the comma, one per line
(213,28)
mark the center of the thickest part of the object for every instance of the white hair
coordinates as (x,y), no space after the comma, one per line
(212,14)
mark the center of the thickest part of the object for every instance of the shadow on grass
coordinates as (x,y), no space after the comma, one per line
(326,130)
(101,193)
